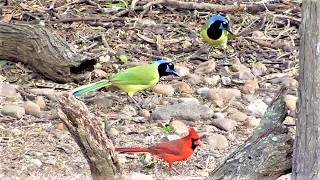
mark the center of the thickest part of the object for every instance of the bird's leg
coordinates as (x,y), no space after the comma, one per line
(174,169)
(135,103)
(210,50)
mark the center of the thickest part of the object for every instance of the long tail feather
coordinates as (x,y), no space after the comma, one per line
(90,87)
(133,149)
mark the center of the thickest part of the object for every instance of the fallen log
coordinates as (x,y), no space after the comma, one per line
(42,51)
(85,129)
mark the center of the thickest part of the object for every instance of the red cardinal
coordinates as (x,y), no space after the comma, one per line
(171,151)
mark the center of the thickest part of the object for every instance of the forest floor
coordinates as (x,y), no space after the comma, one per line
(34,144)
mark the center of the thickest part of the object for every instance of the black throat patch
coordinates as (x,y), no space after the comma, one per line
(193,146)
(213,31)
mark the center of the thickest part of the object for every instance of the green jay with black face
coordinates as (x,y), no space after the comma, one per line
(215,31)
(133,79)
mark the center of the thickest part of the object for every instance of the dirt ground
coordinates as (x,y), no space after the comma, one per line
(39,147)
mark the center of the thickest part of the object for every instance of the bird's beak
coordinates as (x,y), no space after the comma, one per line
(229,30)
(198,143)
(175,73)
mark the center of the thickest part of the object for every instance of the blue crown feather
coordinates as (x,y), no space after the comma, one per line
(217,18)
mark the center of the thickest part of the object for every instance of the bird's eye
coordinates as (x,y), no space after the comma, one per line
(171,66)
(225,25)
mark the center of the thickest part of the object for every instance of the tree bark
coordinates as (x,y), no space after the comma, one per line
(266,154)
(43,51)
(306,162)
(92,140)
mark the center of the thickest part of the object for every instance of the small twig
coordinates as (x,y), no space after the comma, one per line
(100,19)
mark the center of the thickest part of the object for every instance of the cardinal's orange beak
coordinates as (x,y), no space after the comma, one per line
(198,143)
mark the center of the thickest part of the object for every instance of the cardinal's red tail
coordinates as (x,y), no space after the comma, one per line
(133,149)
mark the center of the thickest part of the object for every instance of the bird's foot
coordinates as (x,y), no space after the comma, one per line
(136,104)
(175,170)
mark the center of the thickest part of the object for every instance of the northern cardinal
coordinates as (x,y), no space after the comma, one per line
(171,151)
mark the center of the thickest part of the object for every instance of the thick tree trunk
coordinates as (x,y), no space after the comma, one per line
(92,140)
(267,154)
(43,51)
(306,162)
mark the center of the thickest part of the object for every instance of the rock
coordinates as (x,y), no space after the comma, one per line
(203,91)
(186,44)
(206,67)
(144,113)
(48,92)
(36,162)
(193,79)
(37,154)
(32,108)
(222,96)
(257,107)
(179,127)
(290,83)
(217,141)
(239,67)
(213,80)
(224,124)
(285,177)
(231,137)
(13,110)
(218,115)
(9,91)
(188,100)
(104,59)
(291,102)
(113,132)
(182,70)
(99,73)
(128,111)
(244,75)
(185,111)
(164,89)
(103,103)
(226,80)
(289,121)
(51,160)
(170,137)
(238,116)
(182,87)
(210,128)
(16,132)
(249,87)
(139,176)
(258,69)
(252,122)
(40,102)
(60,126)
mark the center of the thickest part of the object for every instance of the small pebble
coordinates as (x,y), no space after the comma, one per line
(224,124)
(13,110)
(40,102)
(36,162)
(164,89)
(144,113)
(238,116)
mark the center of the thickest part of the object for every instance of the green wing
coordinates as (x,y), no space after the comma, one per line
(139,75)
(205,26)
